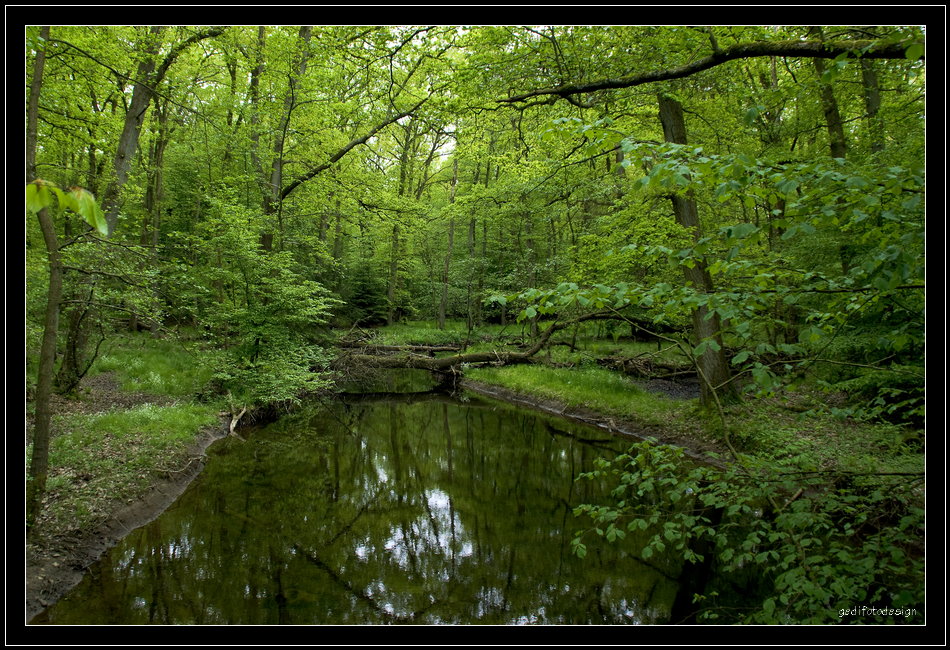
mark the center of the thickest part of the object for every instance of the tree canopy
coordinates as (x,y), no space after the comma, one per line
(760,189)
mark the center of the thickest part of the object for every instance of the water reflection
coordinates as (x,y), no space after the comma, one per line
(381,511)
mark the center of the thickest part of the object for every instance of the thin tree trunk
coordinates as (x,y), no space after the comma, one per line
(32,114)
(872,104)
(39,460)
(448,253)
(273,201)
(393,275)
(706,326)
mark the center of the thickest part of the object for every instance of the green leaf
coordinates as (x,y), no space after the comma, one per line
(37,196)
(87,207)
(914,52)
(739,358)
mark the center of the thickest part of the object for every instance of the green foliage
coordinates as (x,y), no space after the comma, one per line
(815,546)
(40,194)
(259,307)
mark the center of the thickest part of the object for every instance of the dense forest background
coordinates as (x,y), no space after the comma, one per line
(260,184)
(752,198)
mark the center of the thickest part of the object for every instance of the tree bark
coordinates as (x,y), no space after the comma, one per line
(448,252)
(39,460)
(712,364)
(872,104)
(32,113)
(147,79)
(134,117)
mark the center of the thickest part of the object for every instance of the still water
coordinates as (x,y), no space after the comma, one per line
(379,510)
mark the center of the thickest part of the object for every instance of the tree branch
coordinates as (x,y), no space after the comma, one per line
(806,49)
(347,148)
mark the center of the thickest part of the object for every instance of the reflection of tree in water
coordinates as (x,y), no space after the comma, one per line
(384,513)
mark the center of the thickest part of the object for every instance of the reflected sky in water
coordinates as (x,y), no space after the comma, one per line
(376,511)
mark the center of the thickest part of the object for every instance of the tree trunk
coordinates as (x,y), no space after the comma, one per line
(829,106)
(142,93)
(712,364)
(273,201)
(147,79)
(393,275)
(448,252)
(872,104)
(32,114)
(39,460)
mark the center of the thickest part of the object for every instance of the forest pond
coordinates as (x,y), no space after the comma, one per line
(382,508)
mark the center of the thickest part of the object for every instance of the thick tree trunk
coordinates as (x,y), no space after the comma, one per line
(712,364)
(147,79)
(452,363)
(829,106)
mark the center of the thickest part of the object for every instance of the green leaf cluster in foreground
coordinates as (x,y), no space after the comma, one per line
(811,544)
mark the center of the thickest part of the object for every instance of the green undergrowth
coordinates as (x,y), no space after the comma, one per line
(116,456)
(597,389)
(145,364)
(100,457)
(769,431)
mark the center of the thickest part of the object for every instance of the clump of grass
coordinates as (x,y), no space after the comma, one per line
(112,456)
(594,388)
(159,367)
(818,441)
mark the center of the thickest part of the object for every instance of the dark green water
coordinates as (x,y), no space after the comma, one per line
(424,510)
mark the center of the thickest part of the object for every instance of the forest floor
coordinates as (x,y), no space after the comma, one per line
(60,551)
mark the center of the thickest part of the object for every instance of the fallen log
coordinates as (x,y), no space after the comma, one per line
(398,348)
(450,364)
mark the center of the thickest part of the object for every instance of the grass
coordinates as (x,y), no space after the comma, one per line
(117,455)
(594,388)
(157,366)
(97,459)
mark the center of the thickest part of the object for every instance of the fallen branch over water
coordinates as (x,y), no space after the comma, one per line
(453,362)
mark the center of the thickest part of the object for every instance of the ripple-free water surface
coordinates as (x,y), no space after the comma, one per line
(398,510)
